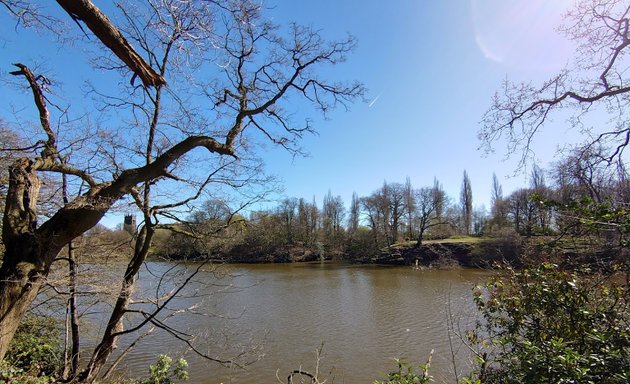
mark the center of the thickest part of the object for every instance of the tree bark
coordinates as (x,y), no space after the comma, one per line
(108,33)
(23,267)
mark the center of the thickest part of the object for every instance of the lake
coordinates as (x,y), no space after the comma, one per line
(278,315)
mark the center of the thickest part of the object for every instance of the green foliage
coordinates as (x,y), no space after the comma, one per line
(34,355)
(606,215)
(10,374)
(407,374)
(161,372)
(599,229)
(548,326)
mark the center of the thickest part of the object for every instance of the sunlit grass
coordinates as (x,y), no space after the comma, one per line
(449,240)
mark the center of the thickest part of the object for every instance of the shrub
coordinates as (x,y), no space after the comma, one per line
(161,372)
(407,374)
(547,326)
(35,352)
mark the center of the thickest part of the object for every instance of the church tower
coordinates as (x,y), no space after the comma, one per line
(129,224)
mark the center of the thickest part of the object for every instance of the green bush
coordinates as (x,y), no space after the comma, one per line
(35,353)
(161,372)
(547,326)
(407,374)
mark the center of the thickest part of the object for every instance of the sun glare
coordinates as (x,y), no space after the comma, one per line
(521,33)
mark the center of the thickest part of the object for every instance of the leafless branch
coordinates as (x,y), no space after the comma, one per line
(108,33)
(519,112)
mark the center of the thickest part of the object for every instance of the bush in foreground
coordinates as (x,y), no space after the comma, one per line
(35,354)
(541,325)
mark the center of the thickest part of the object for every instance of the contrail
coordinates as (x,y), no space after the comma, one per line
(374,101)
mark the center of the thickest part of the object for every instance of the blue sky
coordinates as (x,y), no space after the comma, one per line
(431,68)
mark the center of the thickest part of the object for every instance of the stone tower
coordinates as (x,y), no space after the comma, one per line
(129,224)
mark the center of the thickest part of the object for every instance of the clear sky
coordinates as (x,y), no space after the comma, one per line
(431,68)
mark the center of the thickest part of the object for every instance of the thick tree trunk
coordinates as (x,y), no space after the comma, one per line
(23,266)
(30,251)
(18,289)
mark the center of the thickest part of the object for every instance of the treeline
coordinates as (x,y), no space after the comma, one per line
(559,201)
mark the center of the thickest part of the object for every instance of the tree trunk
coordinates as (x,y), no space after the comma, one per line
(420,236)
(115,325)
(30,251)
(16,293)
(22,267)
(73,313)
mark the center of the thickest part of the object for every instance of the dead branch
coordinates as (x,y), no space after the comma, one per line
(108,33)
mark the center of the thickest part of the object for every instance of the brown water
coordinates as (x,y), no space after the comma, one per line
(363,315)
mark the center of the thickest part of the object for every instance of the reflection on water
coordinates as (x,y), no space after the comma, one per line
(363,315)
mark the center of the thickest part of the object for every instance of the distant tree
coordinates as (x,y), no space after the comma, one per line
(589,199)
(496,193)
(425,214)
(582,173)
(265,232)
(307,221)
(410,206)
(314,219)
(541,193)
(466,201)
(213,210)
(396,194)
(444,211)
(522,211)
(354,214)
(288,211)
(479,220)
(376,209)
(333,214)
(440,198)
(498,205)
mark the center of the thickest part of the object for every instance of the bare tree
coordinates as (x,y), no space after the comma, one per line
(496,194)
(466,202)
(307,219)
(355,212)
(410,206)
(479,220)
(540,194)
(498,207)
(333,213)
(522,211)
(597,82)
(288,210)
(396,196)
(376,210)
(425,214)
(204,116)
(440,198)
